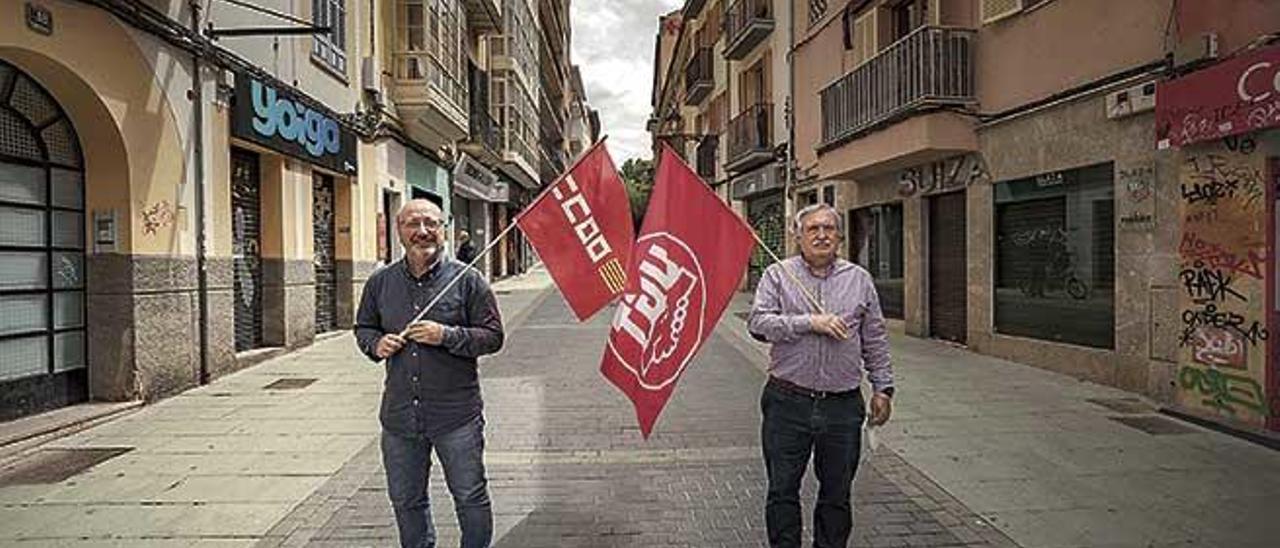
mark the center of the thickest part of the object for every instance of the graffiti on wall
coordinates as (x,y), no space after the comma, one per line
(157,216)
(1221,274)
(1137,188)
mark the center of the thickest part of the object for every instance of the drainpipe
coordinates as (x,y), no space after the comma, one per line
(197,146)
(788,180)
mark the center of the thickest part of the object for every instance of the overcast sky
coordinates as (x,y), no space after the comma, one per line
(613,44)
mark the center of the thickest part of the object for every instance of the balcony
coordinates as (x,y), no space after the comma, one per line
(750,138)
(746,24)
(484,16)
(930,67)
(432,102)
(708,148)
(699,76)
(486,136)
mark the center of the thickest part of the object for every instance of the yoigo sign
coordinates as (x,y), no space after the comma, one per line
(276,119)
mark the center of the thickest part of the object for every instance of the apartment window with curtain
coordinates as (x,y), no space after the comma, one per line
(330,48)
(430,46)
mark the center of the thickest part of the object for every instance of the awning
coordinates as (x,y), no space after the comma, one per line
(1239,95)
(473,181)
(767,178)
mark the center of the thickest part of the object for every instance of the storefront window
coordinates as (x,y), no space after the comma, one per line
(876,244)
(1055,257)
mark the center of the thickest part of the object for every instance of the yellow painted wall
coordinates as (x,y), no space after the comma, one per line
(133,156)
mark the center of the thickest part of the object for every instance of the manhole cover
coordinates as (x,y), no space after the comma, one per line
(1156,426)
(1131,406)
(293,383)
(55,465)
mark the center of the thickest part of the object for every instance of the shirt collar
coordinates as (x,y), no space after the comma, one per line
(431,268)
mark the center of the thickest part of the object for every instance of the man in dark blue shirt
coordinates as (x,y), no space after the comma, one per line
(431,398)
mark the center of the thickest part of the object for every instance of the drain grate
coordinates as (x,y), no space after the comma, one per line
(55,465)
(1130,406)
(292,383)
(1156,426)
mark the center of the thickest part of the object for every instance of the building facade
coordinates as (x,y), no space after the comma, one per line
(1018,191)
(185,193)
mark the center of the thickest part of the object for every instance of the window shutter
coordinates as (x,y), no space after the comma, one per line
(995,10)
(864,36)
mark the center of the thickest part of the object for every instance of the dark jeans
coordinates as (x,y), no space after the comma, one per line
(795,427)
(407,461)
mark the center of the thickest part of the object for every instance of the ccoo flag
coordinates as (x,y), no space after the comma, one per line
(581,227)
(684,268)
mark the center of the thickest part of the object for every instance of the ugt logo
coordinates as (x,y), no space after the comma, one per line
(293,121)
(663,322)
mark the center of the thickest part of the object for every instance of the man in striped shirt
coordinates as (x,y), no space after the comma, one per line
(822,316)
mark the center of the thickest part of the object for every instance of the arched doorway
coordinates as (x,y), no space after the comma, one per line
(43,363)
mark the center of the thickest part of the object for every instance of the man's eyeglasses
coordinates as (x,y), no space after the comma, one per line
(427,223)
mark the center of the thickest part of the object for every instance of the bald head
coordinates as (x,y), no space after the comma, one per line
(419,205)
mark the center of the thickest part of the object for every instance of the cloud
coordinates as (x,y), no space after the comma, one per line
(613,43)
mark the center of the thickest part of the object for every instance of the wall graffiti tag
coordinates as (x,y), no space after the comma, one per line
(1224,391)
(1204,284)
(159,215)
(1208,315)
(1138,209)
(1215,255)
(1220,347)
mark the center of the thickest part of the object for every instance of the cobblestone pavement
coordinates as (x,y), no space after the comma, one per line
(567,466)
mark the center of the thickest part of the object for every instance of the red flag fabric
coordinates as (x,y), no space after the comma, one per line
(581,227)
(686,264)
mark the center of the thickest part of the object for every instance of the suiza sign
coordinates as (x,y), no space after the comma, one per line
(277,120)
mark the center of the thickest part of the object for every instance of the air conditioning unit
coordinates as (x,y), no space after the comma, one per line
(1202,47)
(1131,100)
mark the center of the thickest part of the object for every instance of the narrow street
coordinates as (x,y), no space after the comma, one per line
(980,452)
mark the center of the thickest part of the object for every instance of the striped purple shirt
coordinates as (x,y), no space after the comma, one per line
(780,314)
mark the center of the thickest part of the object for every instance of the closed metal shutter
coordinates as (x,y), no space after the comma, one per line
(43,363)
(766,216)
(948,282)
(246,239)
(323,261)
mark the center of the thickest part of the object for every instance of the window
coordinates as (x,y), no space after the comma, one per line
(807,198)
(907,16)
(430,47)
(829,195)
(875,242)
(331,48)
(1055,257)
(817,8)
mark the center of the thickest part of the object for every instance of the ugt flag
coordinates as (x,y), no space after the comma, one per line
(581,227)
(684,268)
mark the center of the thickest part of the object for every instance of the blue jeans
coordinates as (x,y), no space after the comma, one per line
(795,427)
(407,461)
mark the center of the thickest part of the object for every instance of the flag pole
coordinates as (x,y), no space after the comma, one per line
(514,223)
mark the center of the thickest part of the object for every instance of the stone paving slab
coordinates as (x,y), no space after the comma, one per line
(568,468)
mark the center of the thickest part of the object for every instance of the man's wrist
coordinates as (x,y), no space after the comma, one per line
(887,391)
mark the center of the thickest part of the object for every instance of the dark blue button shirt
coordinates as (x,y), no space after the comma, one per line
(430,390)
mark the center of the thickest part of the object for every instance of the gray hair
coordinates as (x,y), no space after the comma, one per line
(797,222)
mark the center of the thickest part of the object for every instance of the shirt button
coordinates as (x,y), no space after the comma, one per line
(415,378)
(415,402)
(414,354)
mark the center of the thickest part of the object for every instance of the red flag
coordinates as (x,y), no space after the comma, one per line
(581,227)
(684,268)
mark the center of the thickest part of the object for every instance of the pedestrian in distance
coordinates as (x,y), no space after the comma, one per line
(822,317)
(431,397)
(466,251)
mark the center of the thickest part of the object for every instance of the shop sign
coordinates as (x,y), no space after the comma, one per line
(278,120)
(1137,196)
(473,180)
(943,175)
(1239,95)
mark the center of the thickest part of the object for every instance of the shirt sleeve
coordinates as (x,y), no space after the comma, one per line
(368,327)
(484,333)
(875,340)
(767,318)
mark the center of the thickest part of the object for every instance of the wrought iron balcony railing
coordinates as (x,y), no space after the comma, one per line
(751,137)
(699,76)
(930,67)
(746,24)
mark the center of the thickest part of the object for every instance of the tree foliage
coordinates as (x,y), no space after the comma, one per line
(637,176)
